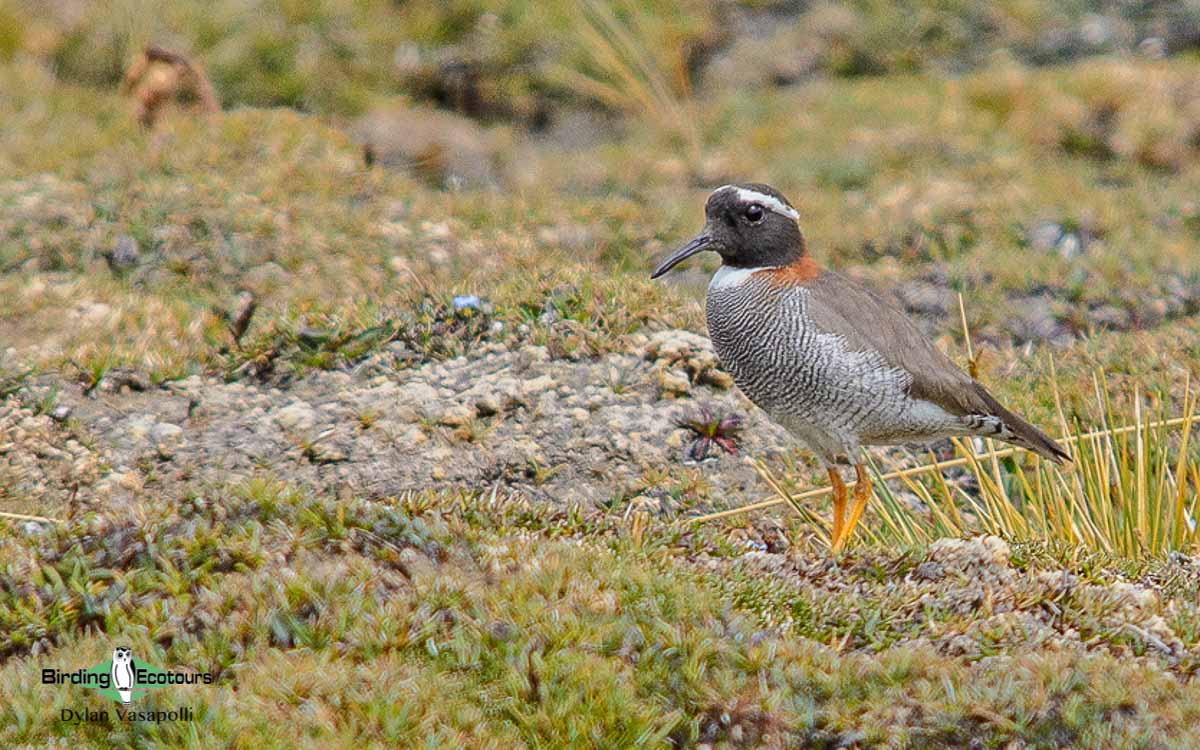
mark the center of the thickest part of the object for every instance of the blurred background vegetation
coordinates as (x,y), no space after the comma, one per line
(1039,156)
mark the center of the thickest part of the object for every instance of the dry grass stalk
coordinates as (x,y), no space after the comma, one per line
(630,80)
(24,517)
(1117,496)
(1002,513)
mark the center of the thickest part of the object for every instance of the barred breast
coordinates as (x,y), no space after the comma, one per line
(807,379)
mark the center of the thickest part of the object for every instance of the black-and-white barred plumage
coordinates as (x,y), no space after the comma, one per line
(831,397)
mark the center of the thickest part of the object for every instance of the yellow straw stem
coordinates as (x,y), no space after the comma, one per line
(938,466)
(23,517)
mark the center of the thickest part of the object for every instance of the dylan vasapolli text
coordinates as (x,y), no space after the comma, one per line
(77,716)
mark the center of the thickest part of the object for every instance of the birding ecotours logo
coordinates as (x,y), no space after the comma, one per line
(123,678)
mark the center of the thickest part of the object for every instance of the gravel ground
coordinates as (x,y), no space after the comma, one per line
(592,431)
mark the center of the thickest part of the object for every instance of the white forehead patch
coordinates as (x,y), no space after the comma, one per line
(767,201)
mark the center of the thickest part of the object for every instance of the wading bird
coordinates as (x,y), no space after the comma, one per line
(826,358)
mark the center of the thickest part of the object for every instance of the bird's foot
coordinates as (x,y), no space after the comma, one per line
(862,493)
(839,509)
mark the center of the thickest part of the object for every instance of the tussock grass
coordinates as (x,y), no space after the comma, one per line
(1132,488)
(621,71)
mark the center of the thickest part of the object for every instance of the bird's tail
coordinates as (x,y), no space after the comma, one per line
(1017,431)
(126,695)
(1012,429)
(1031,438)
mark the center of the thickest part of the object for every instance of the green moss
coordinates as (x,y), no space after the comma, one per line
(328,621)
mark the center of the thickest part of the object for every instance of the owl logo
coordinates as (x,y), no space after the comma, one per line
(122,673)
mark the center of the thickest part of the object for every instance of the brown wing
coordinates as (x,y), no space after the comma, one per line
(869,323)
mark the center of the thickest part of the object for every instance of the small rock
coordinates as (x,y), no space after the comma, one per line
(416,400)
(1110,317)
(925,298)
(502,631)
(456,416)
(718,379)
(487,405)
(139,427)
(675,344)
(61,413)
(163,431)
(128,480)
(673,381)
(1049,236)
(123,255)
(970,554)
(538,385)
(1070,245)
(443,147)
(1034,320)
(1153,47)
(121,378)
(296,416)
(322,452)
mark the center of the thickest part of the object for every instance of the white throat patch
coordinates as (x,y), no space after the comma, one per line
(767,201)
(727,276)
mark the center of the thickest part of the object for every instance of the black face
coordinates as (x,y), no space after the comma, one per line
(750,225)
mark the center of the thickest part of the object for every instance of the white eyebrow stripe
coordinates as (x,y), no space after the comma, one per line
(768,201)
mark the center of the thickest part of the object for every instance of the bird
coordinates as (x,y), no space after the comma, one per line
(122,672)
(827,358)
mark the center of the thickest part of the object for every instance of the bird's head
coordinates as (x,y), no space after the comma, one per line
(750,226)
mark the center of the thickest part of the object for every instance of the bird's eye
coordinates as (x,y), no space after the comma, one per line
(754,213)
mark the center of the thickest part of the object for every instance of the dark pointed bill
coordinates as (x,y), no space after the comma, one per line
(700,244)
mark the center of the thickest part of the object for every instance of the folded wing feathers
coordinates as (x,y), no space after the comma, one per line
(835,301)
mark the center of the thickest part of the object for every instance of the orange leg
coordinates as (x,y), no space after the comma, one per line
(839,508)
(862,493)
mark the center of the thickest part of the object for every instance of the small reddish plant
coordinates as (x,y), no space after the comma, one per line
(710,428)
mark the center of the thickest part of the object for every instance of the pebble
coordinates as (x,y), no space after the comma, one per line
(456,416)
(123,255)
(296,416)
(165,431)
(673,381)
